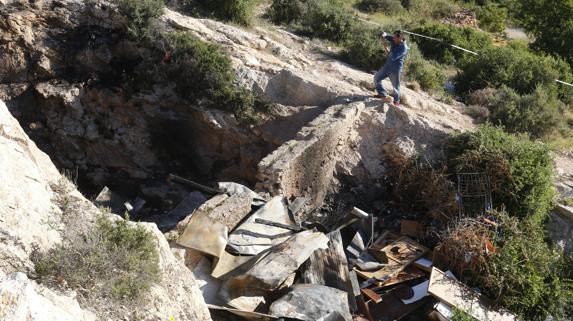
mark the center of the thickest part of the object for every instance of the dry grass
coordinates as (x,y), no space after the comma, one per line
(420,187)
(463,245)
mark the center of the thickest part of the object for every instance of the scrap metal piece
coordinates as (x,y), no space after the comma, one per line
(227,263)
(251,238)
(267,271)
(234,188)
(205,235)
(310,302)
(208,229)
(255,316)
(329,267)
(208,285)
(181,180)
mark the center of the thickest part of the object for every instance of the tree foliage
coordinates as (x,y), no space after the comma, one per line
(512,66)
(327,19)
(441,51)
(551,24)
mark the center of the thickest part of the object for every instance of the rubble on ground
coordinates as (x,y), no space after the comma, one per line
(263,263)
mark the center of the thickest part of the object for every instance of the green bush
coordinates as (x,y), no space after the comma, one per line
(492,17)
(514,67)
(287,11)
(388,7)
(366,50)
(141,15)
(427,9)
(327,19)
(197,68)
(201,72)
(467,38)
(536,114)
(520,171)
(237,11)
(525,275)
(113,259)
(551,24)
(428,74)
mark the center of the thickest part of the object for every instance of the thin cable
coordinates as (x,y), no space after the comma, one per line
(442,41)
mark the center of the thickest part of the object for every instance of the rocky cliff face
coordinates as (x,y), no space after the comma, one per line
(58,80)
(29,220)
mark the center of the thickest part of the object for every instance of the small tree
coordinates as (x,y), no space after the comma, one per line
(551,23)
(492,17)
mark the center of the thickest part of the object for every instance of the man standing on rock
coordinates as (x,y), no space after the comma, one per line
(393,66)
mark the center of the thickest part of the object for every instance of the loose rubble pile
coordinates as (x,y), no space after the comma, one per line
(255,257)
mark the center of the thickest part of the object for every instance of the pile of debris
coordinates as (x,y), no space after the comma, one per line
(257,258)
(463,18)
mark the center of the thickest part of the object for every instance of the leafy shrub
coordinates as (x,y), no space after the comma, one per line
(537,113)
(327,19)
(238,11)
(366,50)
(513,67)
(464,37)
(389,7)
(492,17)
(200,71)
(428,74)
(112,259)
(436,9)
(287,11)
(141,15)
(197,68)
(524,274)
(520,171)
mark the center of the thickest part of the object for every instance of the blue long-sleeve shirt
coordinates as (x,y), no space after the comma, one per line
(395,60)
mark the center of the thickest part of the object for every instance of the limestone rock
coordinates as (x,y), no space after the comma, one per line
(24,300)
(25,190)
(29,215)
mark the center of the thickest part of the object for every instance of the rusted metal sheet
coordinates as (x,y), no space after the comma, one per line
(268,270)
(251,238)
(311,302)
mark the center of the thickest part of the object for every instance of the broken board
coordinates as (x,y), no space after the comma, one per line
(454,293)
(400,253)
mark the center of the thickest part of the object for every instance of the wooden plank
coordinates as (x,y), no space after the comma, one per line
(372,295)
(329,267)
(409,273)
(357,294)
(400,253)
(456,294)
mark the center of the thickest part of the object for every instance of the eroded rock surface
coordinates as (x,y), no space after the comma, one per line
(30,218)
